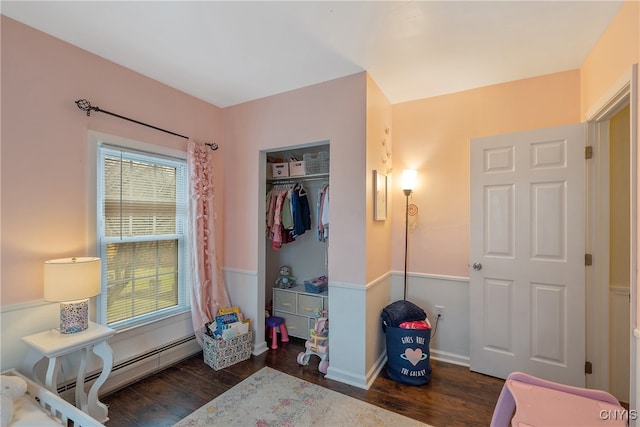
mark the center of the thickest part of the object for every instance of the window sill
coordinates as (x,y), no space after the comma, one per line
(128,331)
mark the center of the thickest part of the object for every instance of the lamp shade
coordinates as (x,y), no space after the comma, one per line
(71,279)
(409,179)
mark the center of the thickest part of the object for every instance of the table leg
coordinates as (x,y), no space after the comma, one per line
(51,379)
(81,394)
(97,409)
(29,365)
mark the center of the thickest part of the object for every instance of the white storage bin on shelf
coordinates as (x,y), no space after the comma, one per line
(280,169)
(297,168)
(316,163)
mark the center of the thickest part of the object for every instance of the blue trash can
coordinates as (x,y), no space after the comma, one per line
(408,354)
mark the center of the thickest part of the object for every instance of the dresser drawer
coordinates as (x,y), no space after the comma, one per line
(285,301)
(297,326)
(309,304)
(297,308)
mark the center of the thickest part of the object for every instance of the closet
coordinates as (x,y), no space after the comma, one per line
(292,173)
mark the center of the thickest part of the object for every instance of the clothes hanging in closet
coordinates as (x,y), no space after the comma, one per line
(288,214)
(300,210)
(322,213)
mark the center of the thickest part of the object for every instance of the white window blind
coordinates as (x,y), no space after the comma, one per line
(142,220)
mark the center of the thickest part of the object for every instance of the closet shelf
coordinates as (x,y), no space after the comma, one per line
(294,179)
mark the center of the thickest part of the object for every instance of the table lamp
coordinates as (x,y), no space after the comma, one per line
(71,282)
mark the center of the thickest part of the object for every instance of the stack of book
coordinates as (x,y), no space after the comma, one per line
(228,323)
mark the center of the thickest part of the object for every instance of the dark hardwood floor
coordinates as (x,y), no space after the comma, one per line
(455,396)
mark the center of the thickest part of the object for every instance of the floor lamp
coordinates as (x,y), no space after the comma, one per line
(408,183)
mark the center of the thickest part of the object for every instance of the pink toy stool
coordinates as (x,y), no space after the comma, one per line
(273,322)
(529,401)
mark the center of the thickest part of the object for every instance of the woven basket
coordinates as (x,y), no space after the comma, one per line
(219,353)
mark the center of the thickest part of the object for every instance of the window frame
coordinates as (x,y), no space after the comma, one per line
(103,144)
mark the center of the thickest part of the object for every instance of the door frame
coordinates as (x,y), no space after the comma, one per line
(623,93)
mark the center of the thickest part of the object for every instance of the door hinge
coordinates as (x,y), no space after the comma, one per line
(588,367)
(588,152)
(588,259)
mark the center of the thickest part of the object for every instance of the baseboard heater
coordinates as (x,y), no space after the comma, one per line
(92,377)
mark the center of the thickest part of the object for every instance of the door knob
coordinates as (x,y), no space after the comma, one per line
(477,266)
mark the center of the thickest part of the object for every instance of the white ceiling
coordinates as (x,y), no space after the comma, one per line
(231,52)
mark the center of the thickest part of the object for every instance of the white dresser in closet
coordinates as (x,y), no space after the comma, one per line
(298,308)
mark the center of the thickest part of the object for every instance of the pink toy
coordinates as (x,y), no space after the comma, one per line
(318,344)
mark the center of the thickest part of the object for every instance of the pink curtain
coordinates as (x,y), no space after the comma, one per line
(208,291)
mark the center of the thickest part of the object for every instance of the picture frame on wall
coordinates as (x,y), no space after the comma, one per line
(379,196)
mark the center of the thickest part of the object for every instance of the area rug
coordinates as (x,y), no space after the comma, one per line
(272,398)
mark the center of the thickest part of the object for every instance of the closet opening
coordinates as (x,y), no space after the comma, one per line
(296,235)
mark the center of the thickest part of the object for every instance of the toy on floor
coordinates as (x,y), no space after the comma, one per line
(318,344)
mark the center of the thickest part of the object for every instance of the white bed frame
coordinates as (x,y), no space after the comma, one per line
(54,405)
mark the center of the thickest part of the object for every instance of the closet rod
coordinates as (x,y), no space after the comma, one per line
(85,105)
(296,179)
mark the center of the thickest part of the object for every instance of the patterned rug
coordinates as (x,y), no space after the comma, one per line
(271,398)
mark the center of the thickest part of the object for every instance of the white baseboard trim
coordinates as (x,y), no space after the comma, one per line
(127,372)
(376,369)
(452,358)
(260,348)
(347,378)
(366,383)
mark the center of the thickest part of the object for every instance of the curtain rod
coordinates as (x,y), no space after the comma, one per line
(85,105)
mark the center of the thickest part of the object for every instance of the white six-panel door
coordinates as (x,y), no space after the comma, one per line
(527,240)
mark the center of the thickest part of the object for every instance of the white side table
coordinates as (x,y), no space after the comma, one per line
(53,345)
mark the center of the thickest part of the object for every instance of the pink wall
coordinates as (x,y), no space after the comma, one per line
(379,144)
(44,145)
(432,135)
(333,111)
(40,123)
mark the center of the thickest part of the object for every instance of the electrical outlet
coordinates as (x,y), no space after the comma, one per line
(440,311)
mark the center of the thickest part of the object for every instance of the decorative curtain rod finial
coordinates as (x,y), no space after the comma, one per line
(212,145)
(85,105)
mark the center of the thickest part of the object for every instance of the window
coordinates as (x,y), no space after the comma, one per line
(142,236)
